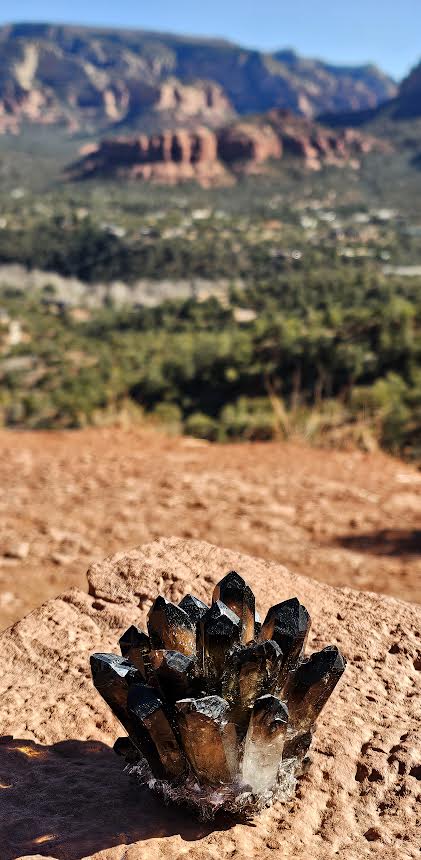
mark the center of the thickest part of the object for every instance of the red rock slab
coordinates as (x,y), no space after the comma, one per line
(64,794)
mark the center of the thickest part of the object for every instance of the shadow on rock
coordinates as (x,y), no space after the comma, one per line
(396,542)
(72,799)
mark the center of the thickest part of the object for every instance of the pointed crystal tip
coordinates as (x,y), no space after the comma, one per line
(107,667)
(194,607)
(219,630)
(133,638)
(135,646)
(238,596)
(171,628)
(220,611)
(232,581)
(288,623)
(270,709)
(113,676)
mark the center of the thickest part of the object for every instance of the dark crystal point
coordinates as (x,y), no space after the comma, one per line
(238,596)
(288,623)
(297,745)
(171,628)
(218,631)
(125,748)
(209,738)
(112,676)
(250,673)
(174,673)
(194,607)
(153,734)
(264,743)
(135,646)
(312,684)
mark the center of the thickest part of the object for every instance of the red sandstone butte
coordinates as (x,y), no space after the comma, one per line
(218,157)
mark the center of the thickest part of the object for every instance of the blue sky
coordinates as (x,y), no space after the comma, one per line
(387,32)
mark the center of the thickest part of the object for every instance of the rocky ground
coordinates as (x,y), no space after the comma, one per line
(346,518)
(63,792)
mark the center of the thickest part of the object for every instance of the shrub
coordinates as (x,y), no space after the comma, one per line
(170,415)
(249,418)
(202,426)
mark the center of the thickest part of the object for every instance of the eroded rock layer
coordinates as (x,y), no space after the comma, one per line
(86,78)
(219,157)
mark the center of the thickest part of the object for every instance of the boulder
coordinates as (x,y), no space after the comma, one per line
(63,792)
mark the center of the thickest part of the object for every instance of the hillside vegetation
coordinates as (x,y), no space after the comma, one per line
(287,306)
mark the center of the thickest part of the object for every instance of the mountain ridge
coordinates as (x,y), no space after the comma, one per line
(92,78)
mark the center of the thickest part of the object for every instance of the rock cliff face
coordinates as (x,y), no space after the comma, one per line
(245,142)
(110,105)
(89,79)
(408,103)
(167,158)
(357,800)
(388,118)
(219,157)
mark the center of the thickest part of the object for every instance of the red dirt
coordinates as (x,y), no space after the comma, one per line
(346,518)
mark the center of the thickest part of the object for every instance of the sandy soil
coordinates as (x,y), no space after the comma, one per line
(68,498)
(64,795)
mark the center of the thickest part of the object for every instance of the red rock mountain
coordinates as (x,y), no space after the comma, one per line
(388,118)
(90,79)
(219,157)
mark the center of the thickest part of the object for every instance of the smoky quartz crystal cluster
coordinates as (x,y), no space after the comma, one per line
(219,708)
